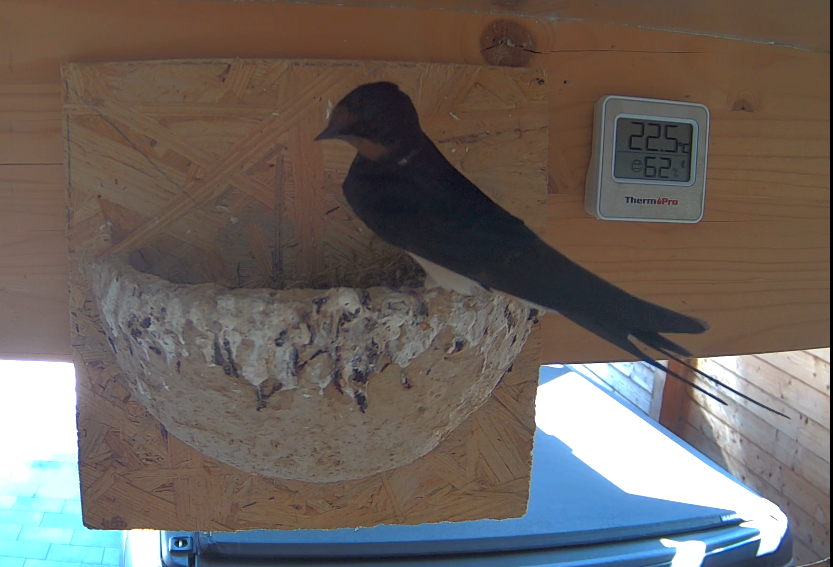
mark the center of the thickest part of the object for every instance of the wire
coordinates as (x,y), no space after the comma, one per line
(819,562)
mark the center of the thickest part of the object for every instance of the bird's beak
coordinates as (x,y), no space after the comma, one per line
(340,122)
(330,132)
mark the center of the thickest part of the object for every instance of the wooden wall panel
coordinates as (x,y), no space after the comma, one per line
(33,281)
(33,294)
(634,381)
(786,461)
(757,268)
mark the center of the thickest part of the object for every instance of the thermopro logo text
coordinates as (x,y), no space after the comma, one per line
(659,201)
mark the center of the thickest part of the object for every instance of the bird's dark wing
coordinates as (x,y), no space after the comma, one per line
(431,210)
(440,218)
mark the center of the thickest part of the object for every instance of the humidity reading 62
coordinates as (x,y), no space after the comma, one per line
(653,150)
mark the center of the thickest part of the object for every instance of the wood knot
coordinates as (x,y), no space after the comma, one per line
(743,105)
(506,43)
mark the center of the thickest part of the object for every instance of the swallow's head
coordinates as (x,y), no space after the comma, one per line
(377,119)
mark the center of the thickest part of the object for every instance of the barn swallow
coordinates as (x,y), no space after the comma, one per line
(405,191)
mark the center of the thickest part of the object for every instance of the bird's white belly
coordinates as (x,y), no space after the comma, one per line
(437,276)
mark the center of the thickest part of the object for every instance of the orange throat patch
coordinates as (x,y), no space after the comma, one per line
(369,150)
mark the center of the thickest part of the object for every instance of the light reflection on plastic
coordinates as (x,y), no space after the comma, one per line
(640,459)
(142,549)
(687,554)
(772,528)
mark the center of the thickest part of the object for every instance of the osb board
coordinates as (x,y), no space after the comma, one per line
(757,267)
(207,171)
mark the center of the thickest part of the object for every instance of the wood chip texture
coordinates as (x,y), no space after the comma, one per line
(205,173)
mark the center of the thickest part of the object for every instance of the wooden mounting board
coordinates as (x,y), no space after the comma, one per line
(802,23)
(207,171)
(757,267)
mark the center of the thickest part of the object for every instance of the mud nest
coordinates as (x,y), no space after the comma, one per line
(318,385)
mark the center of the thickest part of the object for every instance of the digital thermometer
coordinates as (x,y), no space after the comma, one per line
(649,160)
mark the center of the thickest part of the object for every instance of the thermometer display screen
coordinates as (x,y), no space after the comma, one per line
(653,150)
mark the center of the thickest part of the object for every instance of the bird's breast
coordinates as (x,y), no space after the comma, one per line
(437,276)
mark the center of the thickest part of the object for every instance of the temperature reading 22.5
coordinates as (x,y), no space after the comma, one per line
(649,149)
